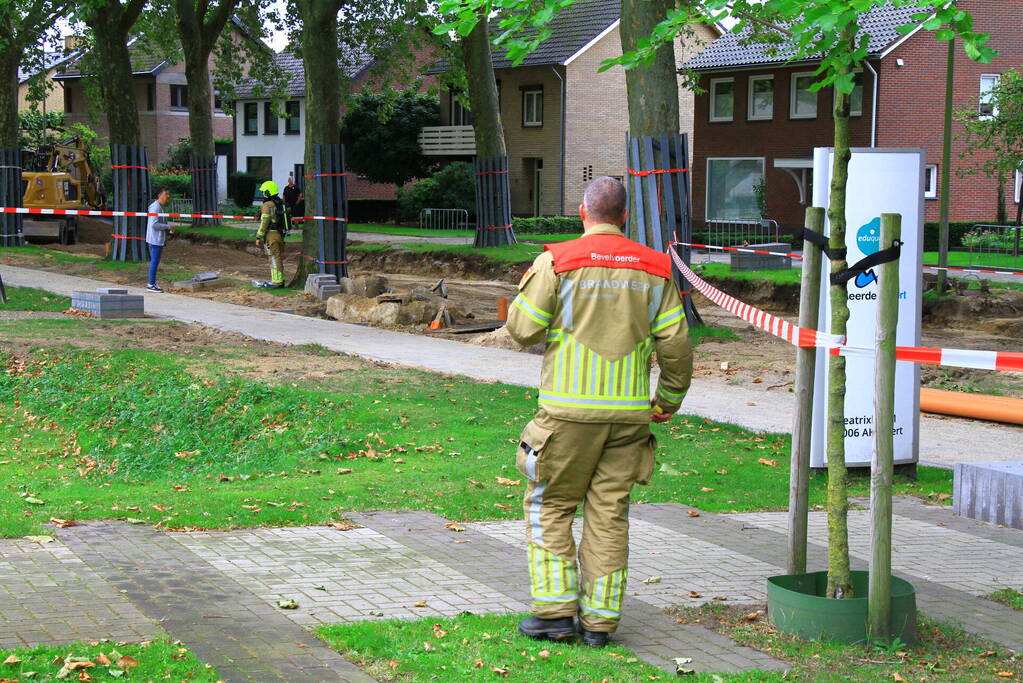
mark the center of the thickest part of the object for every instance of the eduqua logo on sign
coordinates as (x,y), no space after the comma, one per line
(868,241)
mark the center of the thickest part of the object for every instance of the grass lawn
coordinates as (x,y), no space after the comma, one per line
(962,258)
(229,232)
(29,299)
(724,270)
(945,653)
(156,660)
(382,229)
(191,441)
(512,253)
(473,647)
(1008,596)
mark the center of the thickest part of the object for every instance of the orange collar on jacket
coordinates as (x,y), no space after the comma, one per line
(604,246)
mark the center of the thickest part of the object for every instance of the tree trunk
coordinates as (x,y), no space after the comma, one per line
(839,584)
(9,58)
(200,100)
(322,106)
(111,23)
(483,100)
(652,90)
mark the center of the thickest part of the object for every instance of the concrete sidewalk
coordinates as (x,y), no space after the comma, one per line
(944,441)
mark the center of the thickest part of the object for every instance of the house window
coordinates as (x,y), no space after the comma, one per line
(269,119)
(856,96)
(457,114)
(931,181)
(802,100)
(730,187)
(251,125)
(69,100)
(300,177)
(761,98)
(292,119)
(260,166)
(150,96)
(532,106)
(179,97)
(722,99)
(987,107)
(218,103)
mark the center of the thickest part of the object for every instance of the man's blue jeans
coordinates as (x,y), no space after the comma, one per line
(155,252)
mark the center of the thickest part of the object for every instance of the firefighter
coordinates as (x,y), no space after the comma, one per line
(274,225)
(603,304)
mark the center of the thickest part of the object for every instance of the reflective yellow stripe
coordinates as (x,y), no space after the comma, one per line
(667,318)
(533,312)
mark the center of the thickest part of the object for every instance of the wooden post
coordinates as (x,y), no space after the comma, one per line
(879,591)
(806,360)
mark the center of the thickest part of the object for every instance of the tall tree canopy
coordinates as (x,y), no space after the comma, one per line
(24,25)
(381,134)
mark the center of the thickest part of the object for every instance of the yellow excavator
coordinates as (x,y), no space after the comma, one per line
(64,179)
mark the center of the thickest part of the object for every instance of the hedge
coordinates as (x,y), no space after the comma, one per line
(241,187)
(546,225)
(179,184)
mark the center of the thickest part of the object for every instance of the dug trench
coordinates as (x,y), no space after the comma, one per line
(741,356)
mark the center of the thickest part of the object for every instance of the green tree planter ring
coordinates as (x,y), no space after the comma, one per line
(797,606)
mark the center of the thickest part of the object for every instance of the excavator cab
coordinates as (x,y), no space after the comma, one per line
(51,191)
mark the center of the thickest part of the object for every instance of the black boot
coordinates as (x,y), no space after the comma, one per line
(547,629)
(595,638)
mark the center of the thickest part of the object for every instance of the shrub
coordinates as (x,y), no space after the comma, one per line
(546,225)
(241,187)
(177,156)
(179,184)
(452,187)
(956,232)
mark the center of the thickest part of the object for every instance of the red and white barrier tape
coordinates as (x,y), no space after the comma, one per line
(145,214)
(783,329)
(747,250)
(801,336)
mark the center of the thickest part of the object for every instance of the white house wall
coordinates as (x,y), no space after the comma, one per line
(285,151)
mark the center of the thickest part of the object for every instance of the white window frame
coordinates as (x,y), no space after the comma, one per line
(980,100)
(793,79)
(714,82)
(750,114)
(1019,184)
(537,95)
(863,94)
(931,188)
(706,189)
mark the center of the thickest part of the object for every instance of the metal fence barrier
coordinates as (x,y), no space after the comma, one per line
(994,245)
(179,205)
(738,232)
(444,219)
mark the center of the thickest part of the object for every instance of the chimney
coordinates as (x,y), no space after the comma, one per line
(71,43)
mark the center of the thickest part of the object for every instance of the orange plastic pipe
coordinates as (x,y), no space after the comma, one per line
(502,308)
(979,406)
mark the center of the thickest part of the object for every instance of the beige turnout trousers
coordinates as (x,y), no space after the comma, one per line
(596,465)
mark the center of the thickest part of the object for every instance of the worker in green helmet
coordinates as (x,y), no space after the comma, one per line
(274,225)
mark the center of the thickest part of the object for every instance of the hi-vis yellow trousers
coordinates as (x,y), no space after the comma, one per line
(274,249)
(596,465)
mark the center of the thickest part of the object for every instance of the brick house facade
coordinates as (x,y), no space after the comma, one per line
(278,151)
(910,88)
(161,92)
(551,161)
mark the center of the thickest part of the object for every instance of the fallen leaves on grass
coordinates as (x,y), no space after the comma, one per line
(342,526)
(1005,674)
(769,463)
(897,677)
(508,482)
(62,523)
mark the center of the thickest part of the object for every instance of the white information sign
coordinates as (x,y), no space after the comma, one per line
(880,181)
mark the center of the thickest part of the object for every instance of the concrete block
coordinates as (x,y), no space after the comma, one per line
(314,281)
(327,291)
(197,285)
(989,491)
(741,261)
(106,306)
(110,290)
(202,277)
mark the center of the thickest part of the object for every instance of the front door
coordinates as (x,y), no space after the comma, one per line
(537,186)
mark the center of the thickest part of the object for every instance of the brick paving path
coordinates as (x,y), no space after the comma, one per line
(215,591)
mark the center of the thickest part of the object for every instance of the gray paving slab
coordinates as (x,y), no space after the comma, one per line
(944,441)
(224,624)
(645,629)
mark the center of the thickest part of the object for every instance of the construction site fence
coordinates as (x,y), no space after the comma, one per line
(11,233)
